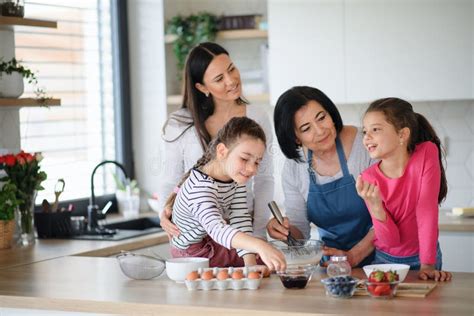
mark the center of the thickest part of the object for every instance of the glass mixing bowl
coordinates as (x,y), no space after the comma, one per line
(305,252)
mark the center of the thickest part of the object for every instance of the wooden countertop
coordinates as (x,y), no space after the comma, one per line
(449,223)
(86,284)
(47,249)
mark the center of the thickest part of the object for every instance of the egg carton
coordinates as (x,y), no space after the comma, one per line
(230,283)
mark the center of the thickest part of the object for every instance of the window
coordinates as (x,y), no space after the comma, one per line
(74,63)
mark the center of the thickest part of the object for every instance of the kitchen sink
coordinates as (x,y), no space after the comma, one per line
(143,223)
(126,229)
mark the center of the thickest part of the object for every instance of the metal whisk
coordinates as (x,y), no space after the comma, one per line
(291,241)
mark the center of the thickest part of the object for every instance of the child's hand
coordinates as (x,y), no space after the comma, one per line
(429,272)
(371,195)
(262,269)
(272,257)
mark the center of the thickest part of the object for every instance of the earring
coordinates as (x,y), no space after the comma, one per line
(206,94)
(401,143)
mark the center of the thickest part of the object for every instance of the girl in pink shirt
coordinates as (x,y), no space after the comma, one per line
(402,191)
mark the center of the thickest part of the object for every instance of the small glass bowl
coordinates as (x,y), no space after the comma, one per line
(340,286)
(382,289)
(296,276)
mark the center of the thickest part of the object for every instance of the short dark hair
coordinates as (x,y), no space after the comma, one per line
(286,107)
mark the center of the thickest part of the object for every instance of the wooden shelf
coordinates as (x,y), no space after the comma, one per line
(233,34)
(28,102)
(10,20)
(263,97)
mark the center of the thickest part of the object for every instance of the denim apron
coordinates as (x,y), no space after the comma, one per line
(337,210)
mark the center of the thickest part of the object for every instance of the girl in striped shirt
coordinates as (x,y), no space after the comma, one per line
(210,208)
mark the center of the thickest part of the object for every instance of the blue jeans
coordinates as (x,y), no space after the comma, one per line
(412,261)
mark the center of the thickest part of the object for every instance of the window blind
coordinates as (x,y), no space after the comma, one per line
(74,63)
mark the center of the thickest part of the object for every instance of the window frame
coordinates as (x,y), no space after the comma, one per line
(122,108)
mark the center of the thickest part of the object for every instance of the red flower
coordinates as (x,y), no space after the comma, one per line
(29,157)
(21,160)
(10,160)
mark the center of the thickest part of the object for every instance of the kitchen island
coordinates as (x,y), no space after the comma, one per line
(92,284)
(72,275)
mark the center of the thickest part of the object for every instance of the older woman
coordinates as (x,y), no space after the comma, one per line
(324,158)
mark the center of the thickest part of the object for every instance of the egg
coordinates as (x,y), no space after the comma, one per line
(223,274)
(237,275)
(193,275)
(207,275)
(253,275)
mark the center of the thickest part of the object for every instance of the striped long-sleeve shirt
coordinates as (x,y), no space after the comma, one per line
(205,206)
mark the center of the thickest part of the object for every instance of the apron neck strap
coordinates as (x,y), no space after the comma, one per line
(342,157)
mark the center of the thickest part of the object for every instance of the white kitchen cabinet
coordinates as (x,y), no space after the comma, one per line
(418,50)
(458,251)
(306,40)
(357,51)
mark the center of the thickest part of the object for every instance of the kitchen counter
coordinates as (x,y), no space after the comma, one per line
(86,284)
(450,223)
(47,249)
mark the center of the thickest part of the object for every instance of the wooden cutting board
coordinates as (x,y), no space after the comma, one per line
(407,290)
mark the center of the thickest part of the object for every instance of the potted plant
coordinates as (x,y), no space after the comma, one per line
(190,31)
(13,8)
(8,205)
(24,171)
(12,74)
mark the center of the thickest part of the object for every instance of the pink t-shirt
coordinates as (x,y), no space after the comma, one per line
(411,202)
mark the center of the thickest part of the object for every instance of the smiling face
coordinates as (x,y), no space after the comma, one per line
(381,139)
(221,80)
(314,127)
(241,161)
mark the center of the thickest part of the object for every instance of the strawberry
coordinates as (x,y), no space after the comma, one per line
(391,276)
(382,290)
(377,276)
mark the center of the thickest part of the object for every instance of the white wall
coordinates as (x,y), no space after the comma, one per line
(148,90)
(357,51)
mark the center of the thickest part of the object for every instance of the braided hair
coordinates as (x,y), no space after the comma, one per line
(228,135)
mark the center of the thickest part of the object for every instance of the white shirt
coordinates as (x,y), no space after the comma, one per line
(295,182)
(182,154)
(205,206)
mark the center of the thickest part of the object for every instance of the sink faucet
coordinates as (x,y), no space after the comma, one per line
(93,211)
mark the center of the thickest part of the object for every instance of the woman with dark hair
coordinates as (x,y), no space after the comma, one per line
(212,96)
(324,158)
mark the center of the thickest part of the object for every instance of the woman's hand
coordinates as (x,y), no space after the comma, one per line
(165,223)
(278,231)
(371,195)
(429,272)
(329,251)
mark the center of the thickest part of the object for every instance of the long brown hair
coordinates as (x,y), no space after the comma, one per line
(198,104)
(228,135)
(400,114)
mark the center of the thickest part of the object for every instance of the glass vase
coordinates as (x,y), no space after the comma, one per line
(26,221)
